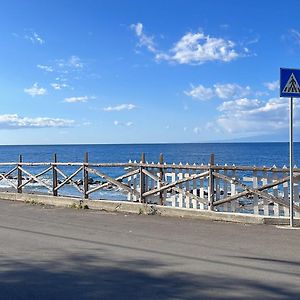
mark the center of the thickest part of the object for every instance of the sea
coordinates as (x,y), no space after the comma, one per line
(246,154)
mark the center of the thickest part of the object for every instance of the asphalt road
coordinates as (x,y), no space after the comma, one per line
(63,253)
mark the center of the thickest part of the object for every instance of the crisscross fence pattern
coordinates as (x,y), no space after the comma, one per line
(222,188)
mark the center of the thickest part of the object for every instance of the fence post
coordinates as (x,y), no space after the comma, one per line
(20,174)
(161,174)
(211,189)
(142,179)
(54,172)
(85,176)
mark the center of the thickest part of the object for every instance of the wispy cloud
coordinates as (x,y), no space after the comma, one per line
(73,62)
(144,40)
(294,35)
(35,90)
(120,107)
(222,91)
(193,48)
(45,68)
(63,67)
(35,38)
(58,86)
(272,86)
(126,124)
(13,121)
(81,99)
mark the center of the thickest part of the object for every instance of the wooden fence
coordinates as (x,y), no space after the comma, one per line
(239,189)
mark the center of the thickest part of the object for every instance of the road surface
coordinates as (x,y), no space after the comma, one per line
(64,253)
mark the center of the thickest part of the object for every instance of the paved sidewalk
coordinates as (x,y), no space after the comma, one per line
(60,253)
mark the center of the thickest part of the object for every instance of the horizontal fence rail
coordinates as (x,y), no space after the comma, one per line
(221,188)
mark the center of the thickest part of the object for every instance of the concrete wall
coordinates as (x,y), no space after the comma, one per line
(149,209)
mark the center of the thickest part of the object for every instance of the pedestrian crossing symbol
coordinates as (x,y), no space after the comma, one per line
(292,85)
(289,86)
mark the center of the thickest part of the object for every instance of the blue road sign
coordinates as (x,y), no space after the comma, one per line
(289,82)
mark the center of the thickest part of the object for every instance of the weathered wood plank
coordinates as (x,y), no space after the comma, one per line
(151,175)
(233,191)
(9,172)
(276,207)
(37,175)
(189,194)
(54,177)
(250,190)
(231,198)
(19,182)
(113,181)
(167,186)
(187,188)
(180,195)
(161,176)
(69,178)
(211,183)
(106,184)
(85,176)
(163,166)
(225,193)
(7,180)
(36,178)
(76,185)
(194,201)
(255,196)
(264,180)
(142,180)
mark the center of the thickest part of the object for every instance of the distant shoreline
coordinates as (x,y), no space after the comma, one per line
(137,144)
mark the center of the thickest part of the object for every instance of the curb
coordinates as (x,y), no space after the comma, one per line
(147,209)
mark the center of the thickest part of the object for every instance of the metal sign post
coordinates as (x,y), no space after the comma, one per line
(289,87)
(291,166)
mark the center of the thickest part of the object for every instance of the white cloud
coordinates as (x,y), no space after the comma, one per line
(222,91)
(45,68)
(253,116)
(126,124)
(201,93)
(58,86)
(144,40)
(294,35)
(120,107)
(193,48)
(63,67)
(35,90)
(239,104)
(81,99)
(198,48)
(13,121)
(75,62)
(231,90)
(197,130)
(272,86)
(34,38)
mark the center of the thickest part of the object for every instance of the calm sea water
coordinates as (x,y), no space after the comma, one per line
(248,154)
(231,153)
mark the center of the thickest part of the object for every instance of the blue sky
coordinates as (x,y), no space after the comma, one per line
(145,71)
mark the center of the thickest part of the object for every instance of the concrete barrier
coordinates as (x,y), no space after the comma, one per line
(148,209)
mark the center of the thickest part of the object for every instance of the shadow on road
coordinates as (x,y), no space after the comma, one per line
(93,277)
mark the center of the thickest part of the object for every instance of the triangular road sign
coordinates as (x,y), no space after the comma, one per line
(292,85)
